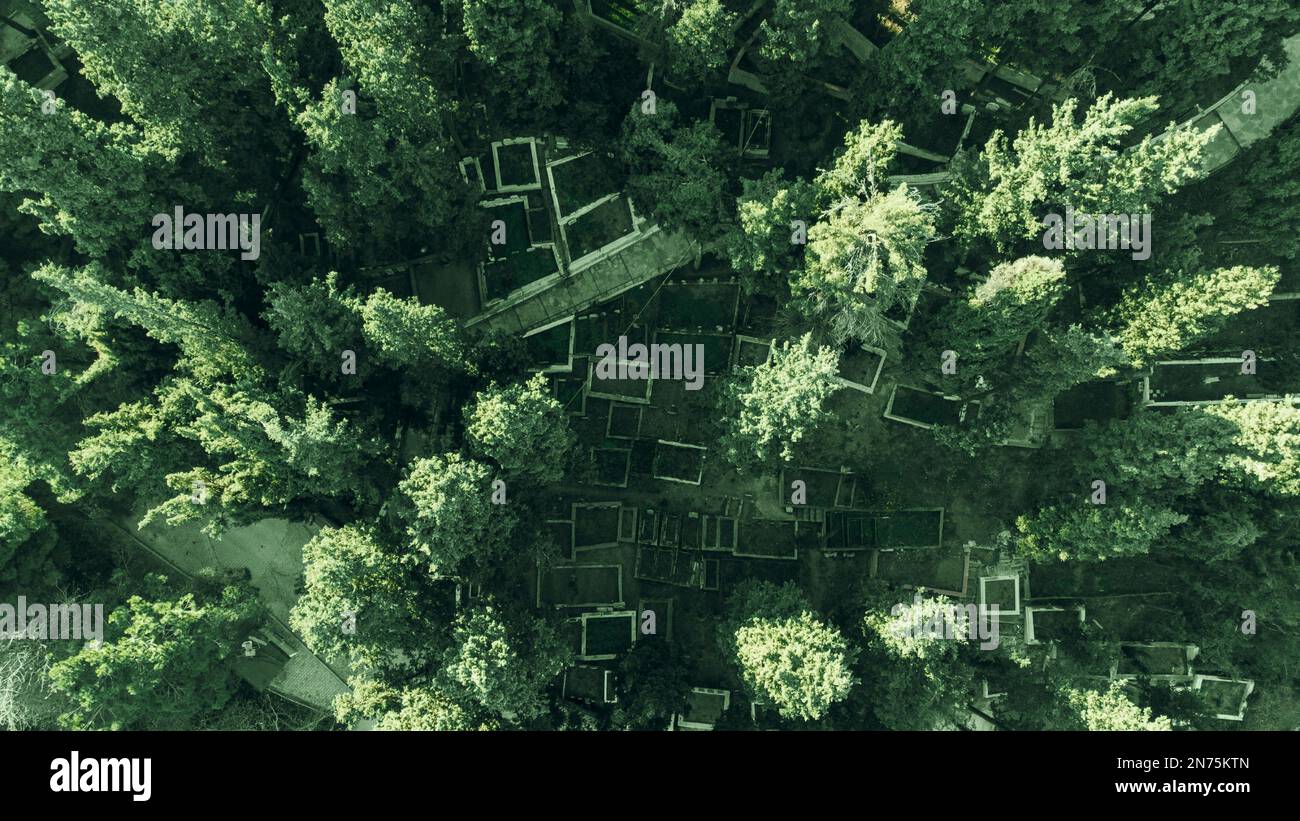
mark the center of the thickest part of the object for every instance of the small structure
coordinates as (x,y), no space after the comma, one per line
(704,706)
(1000,595)
(679,462)
(926,409)
(595,524)
(1208,382)
(1157,660)
(1049,624)
(568,586)
(860,367)
(592,685)
(1226,695)
(606,635)
(550,347)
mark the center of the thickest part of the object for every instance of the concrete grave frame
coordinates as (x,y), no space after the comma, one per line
(587,618)
(1030,610)
(567,368)
(983,600)
(542,572)
(1149,402)
(1198,683)
(496,164)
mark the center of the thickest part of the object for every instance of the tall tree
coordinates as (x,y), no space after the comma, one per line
(1168,313)
(163,663)
(770,408)
(446,503)
(523,428)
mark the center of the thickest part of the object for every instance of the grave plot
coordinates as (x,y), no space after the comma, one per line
(674,415)
(715,350)
(679,462)
(621,14)
(517,262)
(595,524)
(1092,402)
(607,635)
(769,539)
(1225,697)
(648,530)
(692,531)
(612,466)
(662,620)
(550,348)
(624,421)
(592,685)
(471,171)
(751,351)
(922,527)
(571,391)
(712,575)
(1000,595)
(1209,382)
(627,524)
(669,566)
(1049,624)
(670,531)
(719,533)
(1130,618)
(515,163)
(635,391)
(1156,660)
(698,306)
(598,229)
(925,409)
(578,183)
(704,707)
(580,586)
(860,367)
(850,531)
(756,137)
(562,533)
(941,571)
(821,488)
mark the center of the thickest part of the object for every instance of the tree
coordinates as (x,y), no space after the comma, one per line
(1261,201)
(522,428)
(860,169)
(382,173)
(1088,532)
(985,328)
(915,674)
(503,664)
(772,407)
(676,172)
(1169,313)
(104,205)
(362,602)
(797,30)
(180,71)
(516,39)
(446,503)
(408,335)
(214,340)
(1263,453)
(417,707)
(769,214)
(28,700)
(1002,193)
(799,663)
(1112,709)
(864,262)
(316,321)
(784,652)
(699,37)
(654,683)
(163,663)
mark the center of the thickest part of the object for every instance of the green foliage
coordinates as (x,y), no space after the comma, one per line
(700,37)
(503,664)
(517,39)
(106,203)
(763,248)
(1003,194)
(445,502)
(800,663)
(865,259)
(411,336)
(523,428)
(1169,313)
(362,602)
(770,408)
(985,328)
(677,172)
(162,664)
(654,683)
(316,321)
(1091,533)
(1112,709)
(798,30)
(419,707)
(860,169)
